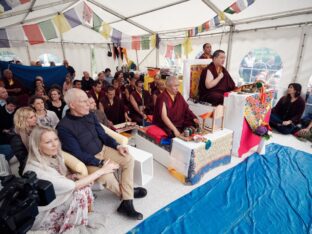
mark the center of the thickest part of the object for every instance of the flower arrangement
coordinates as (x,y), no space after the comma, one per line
(263,131)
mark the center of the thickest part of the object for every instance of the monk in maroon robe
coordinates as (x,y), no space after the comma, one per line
(114,107)
(207,51)
(160,88)
(152,86)
(215,81)
(96,92)
(141,103)
(171,112)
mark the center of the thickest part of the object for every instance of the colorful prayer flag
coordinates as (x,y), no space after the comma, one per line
(153,41)
(216,20)
(200,28)
(105,30)
(195,31)
(241,4)
(178,51)
(16,36)
(249,2)
(97,22)
(4,42)
(145,42)
(169,51)
(116,36)
(136,42)
(187,46)
(24,1)
(48,30)
(33,33)
(61,23)
(87,13)
(5,6)
(206,26)
(72,18)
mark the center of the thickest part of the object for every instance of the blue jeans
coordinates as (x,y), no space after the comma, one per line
(7,151)
(276,122)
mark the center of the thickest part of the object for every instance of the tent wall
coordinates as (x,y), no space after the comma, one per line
(305,70)
(284,41)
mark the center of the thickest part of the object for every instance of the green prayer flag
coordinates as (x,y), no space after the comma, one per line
(178,51)
(145,42)
(97,22)
(48,30)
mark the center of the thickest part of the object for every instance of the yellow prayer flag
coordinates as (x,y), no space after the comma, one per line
(200,28)
(61,23)
(221,17)
(153,41)
(187,46)
(105,30)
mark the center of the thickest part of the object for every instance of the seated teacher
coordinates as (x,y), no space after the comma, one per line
(171,112)
(215,80)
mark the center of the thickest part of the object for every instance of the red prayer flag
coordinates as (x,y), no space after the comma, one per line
(33,33)
(235,7)
(24,1)
(169,51)
(136,42)
(87,13)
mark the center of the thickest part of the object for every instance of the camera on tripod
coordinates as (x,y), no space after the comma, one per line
(19,201)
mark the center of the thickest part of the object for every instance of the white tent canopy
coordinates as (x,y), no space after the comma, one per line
(284,26)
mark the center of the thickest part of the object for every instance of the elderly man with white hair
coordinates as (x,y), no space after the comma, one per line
(82,136)
(172,113)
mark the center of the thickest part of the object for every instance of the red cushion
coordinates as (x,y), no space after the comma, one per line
(156,133)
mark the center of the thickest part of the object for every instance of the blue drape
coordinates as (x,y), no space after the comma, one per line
(27,74)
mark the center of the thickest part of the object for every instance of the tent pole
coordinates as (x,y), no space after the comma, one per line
(137,60)
(105,8)
(300,52)
(35,8)
(146,56)
(28,51)
(62,45)
(157,57)
(229,48)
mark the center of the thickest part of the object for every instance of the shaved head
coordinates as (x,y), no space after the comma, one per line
(172,85)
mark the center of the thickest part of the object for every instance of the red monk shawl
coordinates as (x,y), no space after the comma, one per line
(177,111)
(215,95)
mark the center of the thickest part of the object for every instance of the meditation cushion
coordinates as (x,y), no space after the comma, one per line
(156,133)
(74,164)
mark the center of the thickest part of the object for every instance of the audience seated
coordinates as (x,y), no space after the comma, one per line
(67,83)
(215,80)
(141,104)
(3,96)
(101,116)
(82,135)
(114,107)
(101,77)
(86,81)
(44,117)
(24,121)
(39,83)
(14,87)
(108,76)
(288,111)
(96,92)
(152,86)
(40,92)
(160,88)
(55,102)
(73,194)
(129,89)
(117,87)
(172,113)
(6,126)
(77,84)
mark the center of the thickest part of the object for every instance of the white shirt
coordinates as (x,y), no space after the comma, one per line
(310,85)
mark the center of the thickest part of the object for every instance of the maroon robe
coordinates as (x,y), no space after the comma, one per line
(215,95)
(147,102)
(152,86)
(204,56)
(96,98)
(116,112)
(178,112)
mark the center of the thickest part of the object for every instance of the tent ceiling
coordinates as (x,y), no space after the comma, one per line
(139,17)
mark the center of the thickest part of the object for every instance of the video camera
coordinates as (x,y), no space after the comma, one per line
(19,201)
